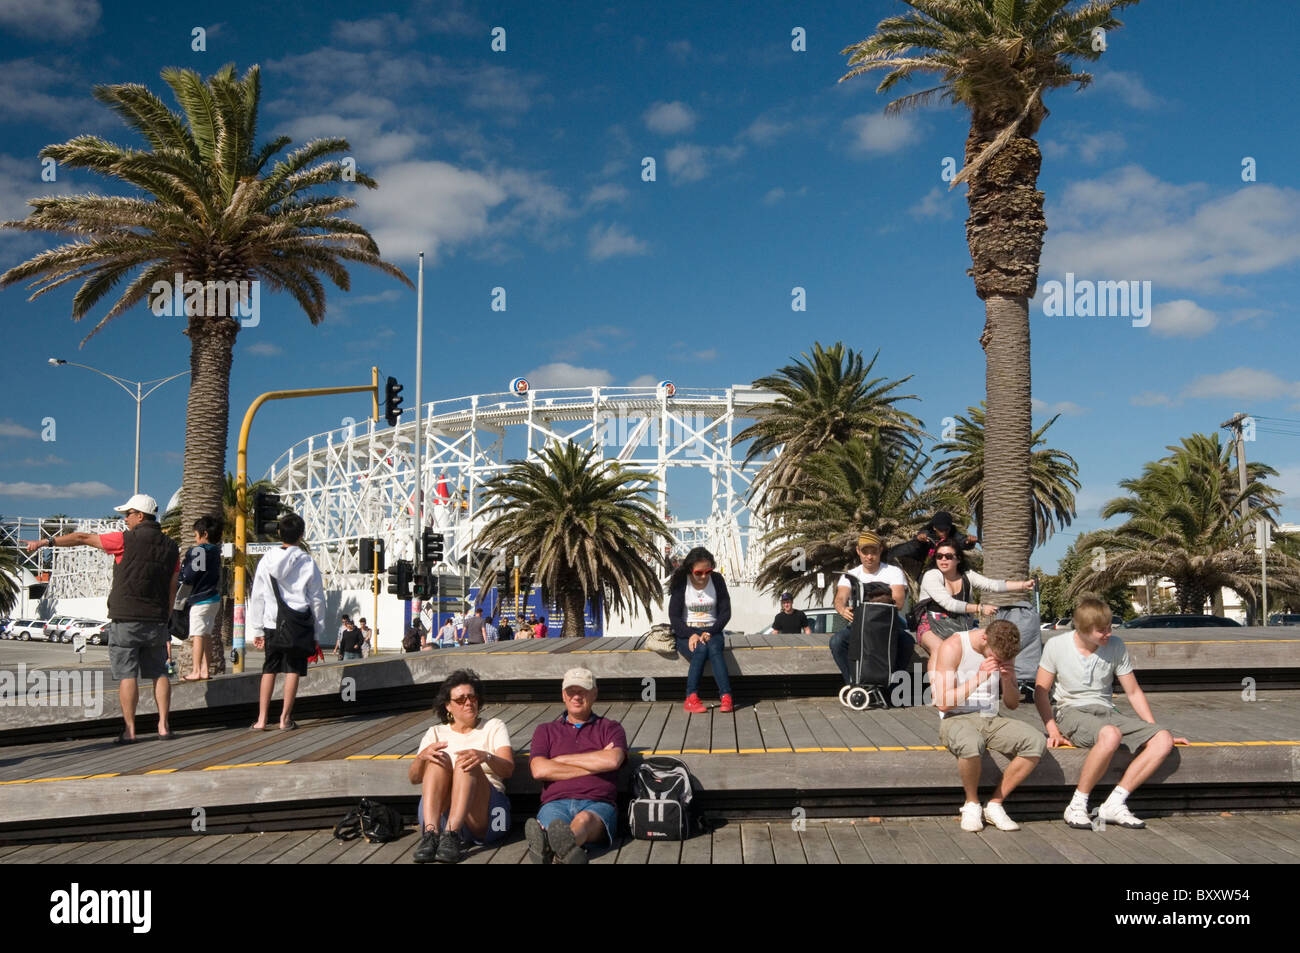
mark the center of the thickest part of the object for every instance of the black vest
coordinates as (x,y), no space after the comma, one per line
(142,580)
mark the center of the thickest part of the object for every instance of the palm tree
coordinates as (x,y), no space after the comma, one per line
(585,530)
(1053,476)
(10,577)
(843,488)
(1185,523)
(211,210)
(825,398)
(997,58)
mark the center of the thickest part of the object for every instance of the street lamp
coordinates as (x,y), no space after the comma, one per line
(138,395)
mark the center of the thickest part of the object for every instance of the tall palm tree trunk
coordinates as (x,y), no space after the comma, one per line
(207,418)
(574,612)
(1005,235)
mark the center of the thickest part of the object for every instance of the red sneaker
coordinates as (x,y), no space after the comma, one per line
(727,704)
(694,705)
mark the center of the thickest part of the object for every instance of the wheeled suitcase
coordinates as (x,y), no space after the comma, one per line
(872,635)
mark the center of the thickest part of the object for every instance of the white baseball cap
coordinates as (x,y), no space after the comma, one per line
(580,677)
(142,503)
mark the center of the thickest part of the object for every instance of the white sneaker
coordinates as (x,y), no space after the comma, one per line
(997,816)
(1120,816)
(1077,817)
(970,817)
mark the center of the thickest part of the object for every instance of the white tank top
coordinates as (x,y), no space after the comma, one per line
(984,699)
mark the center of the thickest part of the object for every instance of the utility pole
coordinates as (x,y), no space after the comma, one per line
(1234,423)
(419,435)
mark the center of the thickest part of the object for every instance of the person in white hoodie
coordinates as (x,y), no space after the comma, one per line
(296,575)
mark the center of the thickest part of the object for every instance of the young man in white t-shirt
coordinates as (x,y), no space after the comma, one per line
(871,570)
(1084,666)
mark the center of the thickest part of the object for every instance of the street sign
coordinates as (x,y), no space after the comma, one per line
(250,549)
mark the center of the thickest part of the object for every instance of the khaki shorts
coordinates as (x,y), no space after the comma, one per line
(969,735)
(203,619)
(1081,725)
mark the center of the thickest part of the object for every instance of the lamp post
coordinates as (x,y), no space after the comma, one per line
(138,395)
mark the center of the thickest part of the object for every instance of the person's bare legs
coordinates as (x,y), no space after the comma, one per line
(470,793)
(435,785)
(290,692)
(199,649)
(162,696)
(1098,760)
(587,827)
(264,699)
(1019,769)
(1153,753)
(969,770)
(128,695)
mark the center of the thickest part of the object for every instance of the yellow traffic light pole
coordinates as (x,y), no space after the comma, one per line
(241,491)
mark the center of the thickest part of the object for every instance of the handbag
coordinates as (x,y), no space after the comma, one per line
(660,639)
(294,628)
(178,621)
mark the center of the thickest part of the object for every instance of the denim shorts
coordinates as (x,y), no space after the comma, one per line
(566,809)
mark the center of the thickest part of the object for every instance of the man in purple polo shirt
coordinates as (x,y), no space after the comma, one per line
(576,757)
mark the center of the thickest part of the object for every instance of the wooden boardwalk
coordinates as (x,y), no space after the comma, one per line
(1257,838)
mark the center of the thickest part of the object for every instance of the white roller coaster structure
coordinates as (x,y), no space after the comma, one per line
(356,481)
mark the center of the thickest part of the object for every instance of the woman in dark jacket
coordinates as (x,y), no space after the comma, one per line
(699,608)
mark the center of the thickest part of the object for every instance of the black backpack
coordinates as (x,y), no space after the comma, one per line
(377,823)
(661,801)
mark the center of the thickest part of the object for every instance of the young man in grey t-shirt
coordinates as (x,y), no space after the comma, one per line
(1083,667)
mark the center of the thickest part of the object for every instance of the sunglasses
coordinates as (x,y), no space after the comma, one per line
(701,574)
(945,555)
(464,699)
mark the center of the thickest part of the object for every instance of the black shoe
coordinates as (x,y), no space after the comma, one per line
(539,847)
(428,848)
(448,848)
(567,850)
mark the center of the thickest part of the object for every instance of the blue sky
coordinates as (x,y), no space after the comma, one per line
(522,169)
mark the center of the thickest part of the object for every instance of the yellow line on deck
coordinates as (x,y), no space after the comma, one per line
(162,771)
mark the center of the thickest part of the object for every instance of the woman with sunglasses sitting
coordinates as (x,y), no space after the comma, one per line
(462,767)
(947,591)
(699,608)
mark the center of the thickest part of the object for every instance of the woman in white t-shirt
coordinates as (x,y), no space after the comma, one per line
(462,767)
(699,608)
(947,594)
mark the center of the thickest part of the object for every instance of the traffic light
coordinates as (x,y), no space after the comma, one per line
(431,547)
(422,585)
(372,556)
(266,513)
(399,579)
(503,582)
(392,401)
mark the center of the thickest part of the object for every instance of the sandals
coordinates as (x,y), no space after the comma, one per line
(122,739)
(289,727)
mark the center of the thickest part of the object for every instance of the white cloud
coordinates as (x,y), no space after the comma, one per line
(422,206)
(1066,408)
(606,192)
(30,91)
(561,374)
(50,491)
(1242,383)
(369,141)
(1182,318)
(645,380)
(8,428)
(57,20)
(937,203)
(1076,141)
(49,460)
(374,31)
(1149,398)
(1130,225)
(669,119)
(680,50)
(265,349)
(877,134)
(773,196)
(1128,87)
(611,240)
(763,130)
(688,162)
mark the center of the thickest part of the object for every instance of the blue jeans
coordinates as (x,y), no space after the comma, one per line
(711,652)
(566,809)
(903,645)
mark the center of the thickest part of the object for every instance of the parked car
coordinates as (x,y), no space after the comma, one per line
(96,633)
(1284,618)
(56,629)
(27,630)
(823,621)
(1179,622)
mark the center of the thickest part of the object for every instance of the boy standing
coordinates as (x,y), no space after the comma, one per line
(972,669)
(1084,666)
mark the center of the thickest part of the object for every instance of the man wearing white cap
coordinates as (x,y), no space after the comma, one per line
(145,572)
(576,757)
